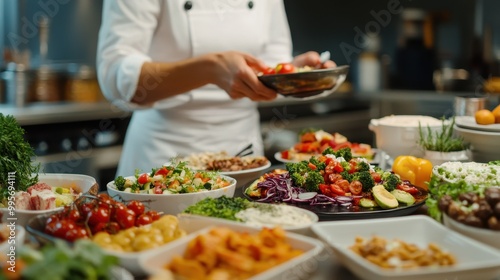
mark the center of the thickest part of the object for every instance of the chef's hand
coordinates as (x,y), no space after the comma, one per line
(236,73)
(312,59)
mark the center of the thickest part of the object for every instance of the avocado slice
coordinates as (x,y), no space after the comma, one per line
(384,198)
(252,190)
(403,197)
(367,203)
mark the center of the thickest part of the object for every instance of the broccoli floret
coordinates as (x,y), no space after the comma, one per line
(345,174)
(328,151)
(120,183)
(313,179)
(363,166)
(365,178)
(304,177)
(391,181)
(319,165)
(346,153)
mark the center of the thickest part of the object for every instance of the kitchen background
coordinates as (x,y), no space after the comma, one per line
(406,57)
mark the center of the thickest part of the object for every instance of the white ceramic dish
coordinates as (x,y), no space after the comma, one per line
(399,134)
(191,222)
(244,177)
(474,259)
(172,204)
(469,122)
(84,182)
(486,236)
(19,236)
(485,146)
(154,261)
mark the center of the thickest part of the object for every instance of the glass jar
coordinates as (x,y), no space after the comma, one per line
(47,86)
(82,85)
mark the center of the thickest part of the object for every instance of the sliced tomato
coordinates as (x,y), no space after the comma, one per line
(344,184)
(409,189)
(162,171)
(143,179)
(336,189)
(325,189)
(285,154)
(269,71)
(356,187)
(376,177)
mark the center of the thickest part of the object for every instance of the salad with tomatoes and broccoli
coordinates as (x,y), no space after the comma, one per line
(172,179)
(334,177)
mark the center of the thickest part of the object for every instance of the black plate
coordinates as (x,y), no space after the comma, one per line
(334,212)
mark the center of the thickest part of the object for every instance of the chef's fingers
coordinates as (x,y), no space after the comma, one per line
(255,63)
(310,58)
(329,64)
(256,87)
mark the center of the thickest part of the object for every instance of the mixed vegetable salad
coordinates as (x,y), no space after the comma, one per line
(172,179)
(335,177)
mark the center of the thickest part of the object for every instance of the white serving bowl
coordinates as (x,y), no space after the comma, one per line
(486,236)
(399,134)
(172,204)
(154,262)
(474,259)
(84,183)
(19,237)
(192,222)
(243,177)
(485,145)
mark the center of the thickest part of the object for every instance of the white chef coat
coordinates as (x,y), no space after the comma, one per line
(205,119)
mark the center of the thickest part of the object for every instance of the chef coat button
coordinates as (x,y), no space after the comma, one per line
(188,5)
(250,5)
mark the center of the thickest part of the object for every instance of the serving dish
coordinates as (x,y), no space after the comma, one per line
(308,84)
(154,262)
(375,160)
(335,212)
(485,145)
(474,259)
(192,222)
(170,203)
(469,122)
(486,236)
(83,183)
(242,177)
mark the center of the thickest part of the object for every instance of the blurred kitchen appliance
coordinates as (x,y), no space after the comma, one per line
(467,105)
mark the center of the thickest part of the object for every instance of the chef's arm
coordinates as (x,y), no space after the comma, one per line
(235,72)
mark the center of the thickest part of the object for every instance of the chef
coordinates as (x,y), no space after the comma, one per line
(188,69)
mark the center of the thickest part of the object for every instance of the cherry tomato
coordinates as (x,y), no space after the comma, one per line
(154,215)
(137,207)
(376,177)
(125,218)
(105,200)
(409,189)
(98,215)
(86,208)
(334,177)
(143,179)
(143,220)
(74,215)
(75,233)
(63,226)
(284,68)
(356,187)
(269,71)
(336,189)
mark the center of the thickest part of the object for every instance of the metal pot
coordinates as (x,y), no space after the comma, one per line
(18,80)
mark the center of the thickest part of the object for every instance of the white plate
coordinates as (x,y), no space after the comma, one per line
(375,160)
(155,261)
(470,123)
(474,259)
(192,222)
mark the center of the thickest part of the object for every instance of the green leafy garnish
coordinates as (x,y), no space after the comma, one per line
(221,207)
(442,141)
(15,156)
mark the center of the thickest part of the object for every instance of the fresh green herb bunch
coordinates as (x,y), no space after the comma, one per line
(15,156)
(442,141)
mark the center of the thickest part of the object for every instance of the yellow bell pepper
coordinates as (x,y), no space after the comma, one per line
(416,170)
